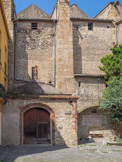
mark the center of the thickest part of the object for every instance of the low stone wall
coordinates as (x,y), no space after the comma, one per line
(118,130)
(93,124)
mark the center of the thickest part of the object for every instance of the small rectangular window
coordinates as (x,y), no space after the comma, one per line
(35,72)
(79,84)
(34,26)
(90,26)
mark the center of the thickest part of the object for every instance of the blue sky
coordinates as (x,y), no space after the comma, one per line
(90,7)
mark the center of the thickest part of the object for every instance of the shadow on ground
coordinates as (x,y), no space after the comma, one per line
(11,153)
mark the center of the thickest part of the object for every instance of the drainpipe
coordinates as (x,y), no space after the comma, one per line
(54,41)
(116,34)
(15,79)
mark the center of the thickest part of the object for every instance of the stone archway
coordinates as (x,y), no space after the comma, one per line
(42,124)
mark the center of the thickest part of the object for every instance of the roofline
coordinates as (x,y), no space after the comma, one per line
(79,8)
(4,18)
(72,19)
(70,7)
(53,9)
(104,8)
(43,20)
(34,5)
(92,20)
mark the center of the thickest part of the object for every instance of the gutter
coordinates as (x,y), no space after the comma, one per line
(91,20)
(116,34)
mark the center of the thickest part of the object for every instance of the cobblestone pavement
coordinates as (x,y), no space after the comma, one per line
(82,153)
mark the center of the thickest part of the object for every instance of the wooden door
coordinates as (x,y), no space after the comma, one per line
(36,126)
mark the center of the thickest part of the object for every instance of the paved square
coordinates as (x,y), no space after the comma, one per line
(82,153)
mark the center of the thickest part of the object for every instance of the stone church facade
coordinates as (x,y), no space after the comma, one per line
(55,84)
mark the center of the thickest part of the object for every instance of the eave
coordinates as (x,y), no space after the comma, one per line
(41,20)
(89,76)
(92,20)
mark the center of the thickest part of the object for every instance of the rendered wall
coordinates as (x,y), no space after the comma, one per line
(3,51)
(10,15)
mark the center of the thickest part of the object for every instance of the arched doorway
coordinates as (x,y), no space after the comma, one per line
(36,126)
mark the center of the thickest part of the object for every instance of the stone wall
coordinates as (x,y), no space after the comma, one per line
(34,48)
(90,91)
(93,124)
(64,49)
(120,33)
(65,119)
(91,45)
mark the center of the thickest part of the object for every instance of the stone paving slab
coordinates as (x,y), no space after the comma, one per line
(81,153)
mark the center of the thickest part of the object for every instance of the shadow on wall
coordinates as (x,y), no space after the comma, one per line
(33,53)
(77,51)
(25,85)
(28,52)
(94,125)
(39,126)
(35,125)
(118,130)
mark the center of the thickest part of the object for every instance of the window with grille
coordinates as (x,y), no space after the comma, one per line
(90,26)
(34,26)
